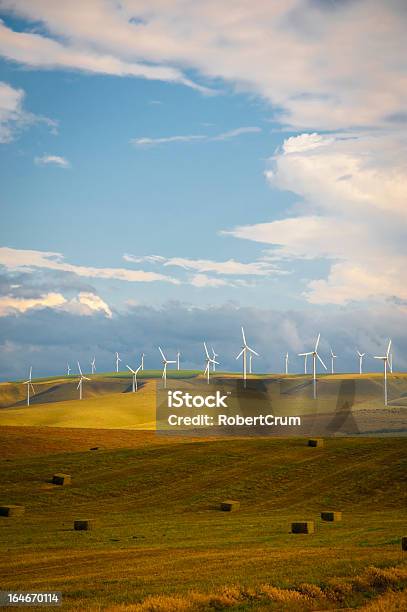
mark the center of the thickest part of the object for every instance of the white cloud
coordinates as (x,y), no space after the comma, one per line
(352,212)
(9,304)
(13,116)
(202,280)
(323,65)
(85,303)
(148,142)
(53,160)
(26,260)
(230,267)
(43,52)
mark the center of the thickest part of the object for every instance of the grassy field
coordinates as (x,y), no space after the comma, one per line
(161,543)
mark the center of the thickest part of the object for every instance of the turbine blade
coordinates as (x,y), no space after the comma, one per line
(129,368)
(321,361)
(244,337)
(388,349)
(206,350)
(138,369)
(240,354)
(317,343)
(304,354)
(162,354)
(252,351)
(79,383)
(79,368)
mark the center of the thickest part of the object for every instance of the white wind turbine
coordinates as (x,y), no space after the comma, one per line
(165,364)
(333,357)
(117,361)
(315,356)
(209,361)
(286,363)
(243,353)
(30,387)
(361,355)
(93,365)
(134,372)
(68,369)
(178,356)
(386,361)
(82,378)
(214,355)
(142,361)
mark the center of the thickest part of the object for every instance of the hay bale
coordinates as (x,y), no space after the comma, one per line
(229,505)
(332,515)
(404,543)
(303,527)
(316,442)
(83,524)
(61,479)
(12,510)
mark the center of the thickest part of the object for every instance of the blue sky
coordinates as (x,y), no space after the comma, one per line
(201,169)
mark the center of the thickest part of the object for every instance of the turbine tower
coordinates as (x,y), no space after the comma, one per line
(214,355)
(134,372)
(93,365)
(82,378)
(305,362)
(178,356)
(142,361)
(361,355)
(286,363)
(243,353)
(209,361)
(30,386)
(315,356)
(333,357)
(250,363)
(165,364)
(386,362)
(117,361)
(68,369)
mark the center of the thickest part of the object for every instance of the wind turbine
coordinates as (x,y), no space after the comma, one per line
(93,365)
(178,356)
(214,355)
(315,356)
(386,362)
(391,362)
(165,364)
(142,361)
(134,372)
(30,387)
(333,357)
(286,363)
(68,369)
(243,353)
(361,355)
(82,378)
(117,361)
(209,361)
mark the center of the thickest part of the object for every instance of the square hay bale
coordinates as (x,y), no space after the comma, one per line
(316,442)
(230,505)
(83,524)
(404,543)
(12,510)
(331,515)
(61,479)
(303,527)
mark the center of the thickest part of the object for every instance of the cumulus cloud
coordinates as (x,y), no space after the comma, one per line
(177,326)
(84,303)
(53,160)
(351,211)
(29,260)
(149,142)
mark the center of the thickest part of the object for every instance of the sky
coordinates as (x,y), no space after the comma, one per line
(171,170)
